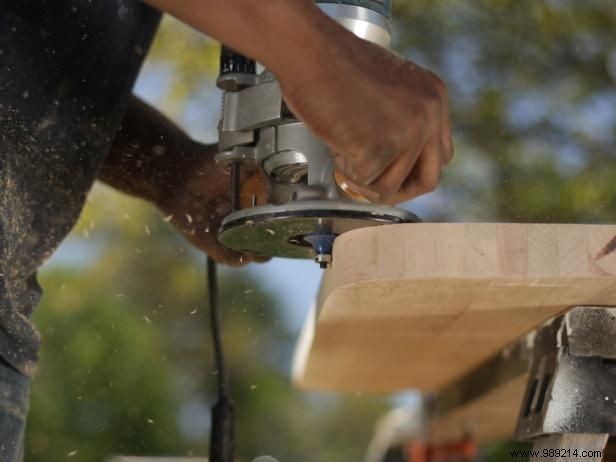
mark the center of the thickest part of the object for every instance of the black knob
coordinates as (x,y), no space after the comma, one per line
(232,62)
(236,70)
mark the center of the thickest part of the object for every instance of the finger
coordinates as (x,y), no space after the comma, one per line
(368,194)
(221,254)
(369,168)
(392,178)
(225,256)
(446,136)
(202,232)
(255,258)
(387,188)
(365,169)
(206,240)
(391,181)
(424,178)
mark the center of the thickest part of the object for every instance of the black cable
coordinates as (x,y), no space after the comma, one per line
(219,359)
(235,186)
(222,432)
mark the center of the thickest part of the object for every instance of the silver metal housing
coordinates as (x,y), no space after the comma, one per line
(363,22)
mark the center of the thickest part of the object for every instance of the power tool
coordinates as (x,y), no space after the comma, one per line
(307,204)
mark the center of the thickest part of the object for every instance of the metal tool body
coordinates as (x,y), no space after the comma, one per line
(305,207)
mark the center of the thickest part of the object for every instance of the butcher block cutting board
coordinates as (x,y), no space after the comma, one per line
(415,306)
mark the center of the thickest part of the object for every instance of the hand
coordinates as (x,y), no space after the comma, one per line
(153,159)
(385,118)
(198,203)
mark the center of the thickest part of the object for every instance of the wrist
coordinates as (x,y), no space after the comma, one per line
(296,47)
(318,49)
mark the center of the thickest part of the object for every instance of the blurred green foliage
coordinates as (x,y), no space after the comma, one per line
(532,101)
(126,357)
(104,385)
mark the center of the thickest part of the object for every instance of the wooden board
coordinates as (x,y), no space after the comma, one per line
(418,305)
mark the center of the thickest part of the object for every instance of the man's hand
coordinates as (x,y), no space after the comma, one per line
(197,205)
(384,117)
(153,159)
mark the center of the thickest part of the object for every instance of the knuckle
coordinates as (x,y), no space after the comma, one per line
(430,183)
(439,86)
(357,173)
(399,198)
(367,172)
(435,93)
(388,186)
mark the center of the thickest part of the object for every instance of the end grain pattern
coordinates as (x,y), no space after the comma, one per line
(415,306)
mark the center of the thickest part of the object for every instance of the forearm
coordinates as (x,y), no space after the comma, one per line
(150,156)
(153,159)
(287,36)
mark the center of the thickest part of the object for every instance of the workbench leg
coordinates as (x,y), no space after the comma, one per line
(572,447)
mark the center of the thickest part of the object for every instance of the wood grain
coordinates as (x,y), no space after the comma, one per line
(418,305)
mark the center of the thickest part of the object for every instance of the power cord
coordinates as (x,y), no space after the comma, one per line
(222,433)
